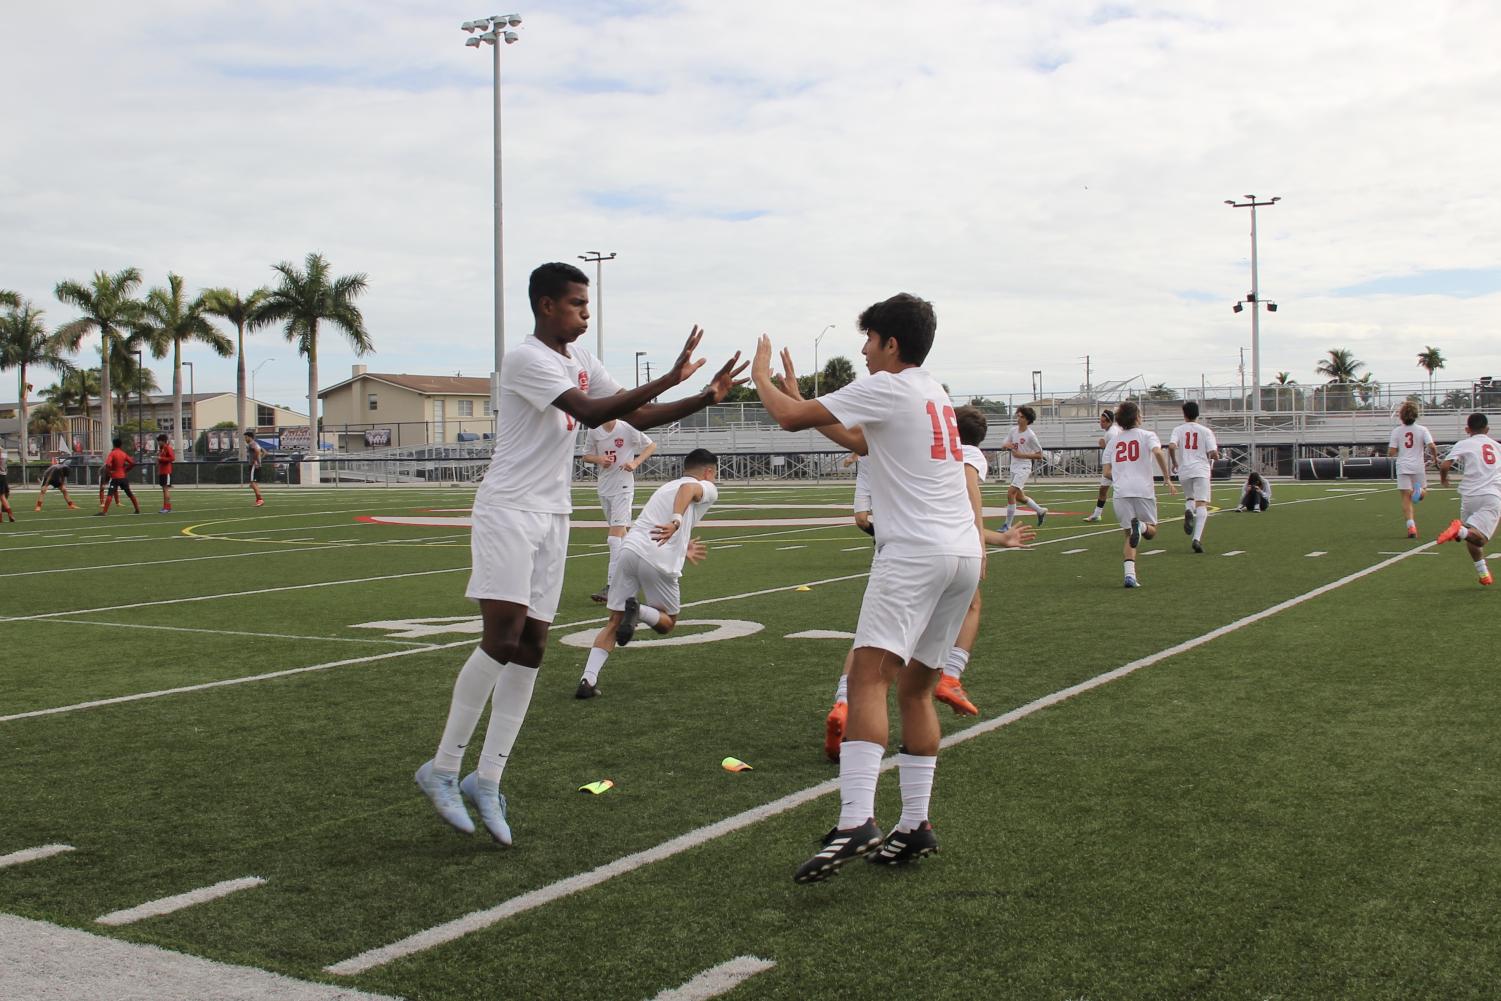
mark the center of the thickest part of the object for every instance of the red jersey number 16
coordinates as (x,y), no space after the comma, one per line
(938,451)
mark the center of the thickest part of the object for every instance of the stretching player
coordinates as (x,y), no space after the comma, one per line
(1130,470)
(1193,451)
(5,485)
(255,453)
(519,540)
(117,467)
(1410,444)
(56,477)
(617,449)
(1108,430)
(925,572)
(651,562)
(1479,458)
(1024,447)
(165,456)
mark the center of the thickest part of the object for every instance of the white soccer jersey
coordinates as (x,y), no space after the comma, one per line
(1131,463)
(658,511)
(1193,443)
(622,441)
(1025,441)
(1411,442)
(1479,458)
(917,483)
(1110,436)
(532,468)
(975,459)
(863,499)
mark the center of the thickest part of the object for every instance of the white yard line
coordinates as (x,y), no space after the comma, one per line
(477,920)
(1073,552)
(178,901)
(1317,552)
(1154,552)
(717,980)
(229,632)
(783,549)
(33,854)
(1234,552)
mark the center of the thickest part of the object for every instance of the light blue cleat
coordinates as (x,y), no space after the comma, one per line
(443,790)
(1417,494)
(1132,582)
(491,805)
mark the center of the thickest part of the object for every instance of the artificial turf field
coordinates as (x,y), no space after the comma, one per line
(1304,806)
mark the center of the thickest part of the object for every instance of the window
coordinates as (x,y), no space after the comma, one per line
(466,408)
(166,424)
(373,401)
(488,411)
(187,421)
(264,416)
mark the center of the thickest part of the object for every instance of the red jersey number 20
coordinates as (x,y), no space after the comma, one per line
(1127,451)
(938,451)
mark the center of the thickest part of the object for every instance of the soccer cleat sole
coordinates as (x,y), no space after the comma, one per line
(627,627)
(601,596)
(1188,523)
(1451,533)
(833,730)
(839,849)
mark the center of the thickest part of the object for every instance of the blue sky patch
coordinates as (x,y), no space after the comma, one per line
(1459,283)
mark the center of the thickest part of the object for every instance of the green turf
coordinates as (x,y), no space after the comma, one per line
(1300,809)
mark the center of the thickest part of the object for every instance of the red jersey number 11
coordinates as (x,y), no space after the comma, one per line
(938,451)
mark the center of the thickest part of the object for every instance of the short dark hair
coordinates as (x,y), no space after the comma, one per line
(1108,414)
(1408,412)
(908,319)
(1190,410)
(1028,413)
(698,459)
(550,281)
(1128,415)
(250,434)
(1477,422)
(972,425)
(119,443)
(161,437)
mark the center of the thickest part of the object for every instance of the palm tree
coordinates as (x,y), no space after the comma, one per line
(47,419)
(107,307)
(133,381)
(74,390)
(1161,391)
(25,343)
(245,314)
(303,301)
(1368,388)
(1430,360)
(9,298)
(168,318)
(1340,369)
(1285,379)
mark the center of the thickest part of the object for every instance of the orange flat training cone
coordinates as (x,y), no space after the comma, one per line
(597,787)
(734,765)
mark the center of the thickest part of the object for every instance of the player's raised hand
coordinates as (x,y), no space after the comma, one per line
(761,361)
(787,381)
(685,366)
(696,551)
(725,379)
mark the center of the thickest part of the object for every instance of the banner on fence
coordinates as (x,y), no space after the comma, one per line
(296,439)
(377,437)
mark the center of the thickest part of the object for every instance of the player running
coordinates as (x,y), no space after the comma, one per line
(519,541)
(165,456)
(255,453)
(1130,470)
(924,574)
(1411,444)
(1025,448)
(117,466)
(56,477)
(618,450)
(1479,458)
(1193,450)
(1109,429)
(651,562)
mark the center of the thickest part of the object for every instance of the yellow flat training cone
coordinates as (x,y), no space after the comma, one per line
(804,587)
(597,787)
(734,765)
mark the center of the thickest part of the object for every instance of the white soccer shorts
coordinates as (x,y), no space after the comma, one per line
(1195,488)
(1020,475)
(1410,481)
(634,574)
(1143,509)
(1481,514)
(914,606)
(518,556)
(617,506)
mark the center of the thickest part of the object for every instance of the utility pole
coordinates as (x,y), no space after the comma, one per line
(1254,299)
(597,259)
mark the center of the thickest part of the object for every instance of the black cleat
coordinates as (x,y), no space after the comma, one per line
(585,690)
(1188,522)
(1135,533)
(839,847)
(627,627)
(901,847)
(601,596)
(1198,546)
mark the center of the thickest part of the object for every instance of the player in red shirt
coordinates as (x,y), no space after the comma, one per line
(164,459)
(117,466)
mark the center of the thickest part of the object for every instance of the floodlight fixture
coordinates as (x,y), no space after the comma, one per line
(1271,307)
(514,20)
(510,37)
(468,26)
(488,36)
(1237,307)
(473,43)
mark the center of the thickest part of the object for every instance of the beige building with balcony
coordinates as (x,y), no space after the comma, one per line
(383,409)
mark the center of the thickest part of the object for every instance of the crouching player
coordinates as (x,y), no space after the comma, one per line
(56,478)
(1130,469)
(1479,456)
(650,561)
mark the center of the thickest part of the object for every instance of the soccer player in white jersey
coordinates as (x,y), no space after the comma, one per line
(1130,472)
(950,690)
(929,562)
(1411,444)
(618,450)
(1025,448)
(1108,430)
(651,562)
(519,542)
(1193,450)
(1479,458)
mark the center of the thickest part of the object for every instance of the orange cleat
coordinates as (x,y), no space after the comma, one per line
(1451,533)
(1487,580)
(260,502)
(1412,533)
(951,694)
(833,729)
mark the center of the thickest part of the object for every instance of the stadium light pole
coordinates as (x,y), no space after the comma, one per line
(639,356)
(1254,299)
(825,330)
(493,30)
(598,260)
(140,399)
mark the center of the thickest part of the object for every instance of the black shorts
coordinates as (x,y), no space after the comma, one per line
(57,480)
(116,485)
(4,485)
(164,479)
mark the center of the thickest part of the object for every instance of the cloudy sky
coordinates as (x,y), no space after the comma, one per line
(1051,173)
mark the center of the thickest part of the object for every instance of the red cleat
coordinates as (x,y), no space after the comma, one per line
(833,730)
(1451,533)
(1412,533)
(259,502)
(951,694)
(1487,580)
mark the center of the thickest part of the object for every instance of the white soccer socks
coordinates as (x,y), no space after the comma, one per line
(648,616)
(597,658)
(958,660)
(1010,514)
(513,693)
(1130,568)
(1201,515)
(470,693)
(916,774)
(614,541)
(1034,507)
(859,765)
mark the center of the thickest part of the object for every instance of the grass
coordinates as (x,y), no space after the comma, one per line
(1303,808)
